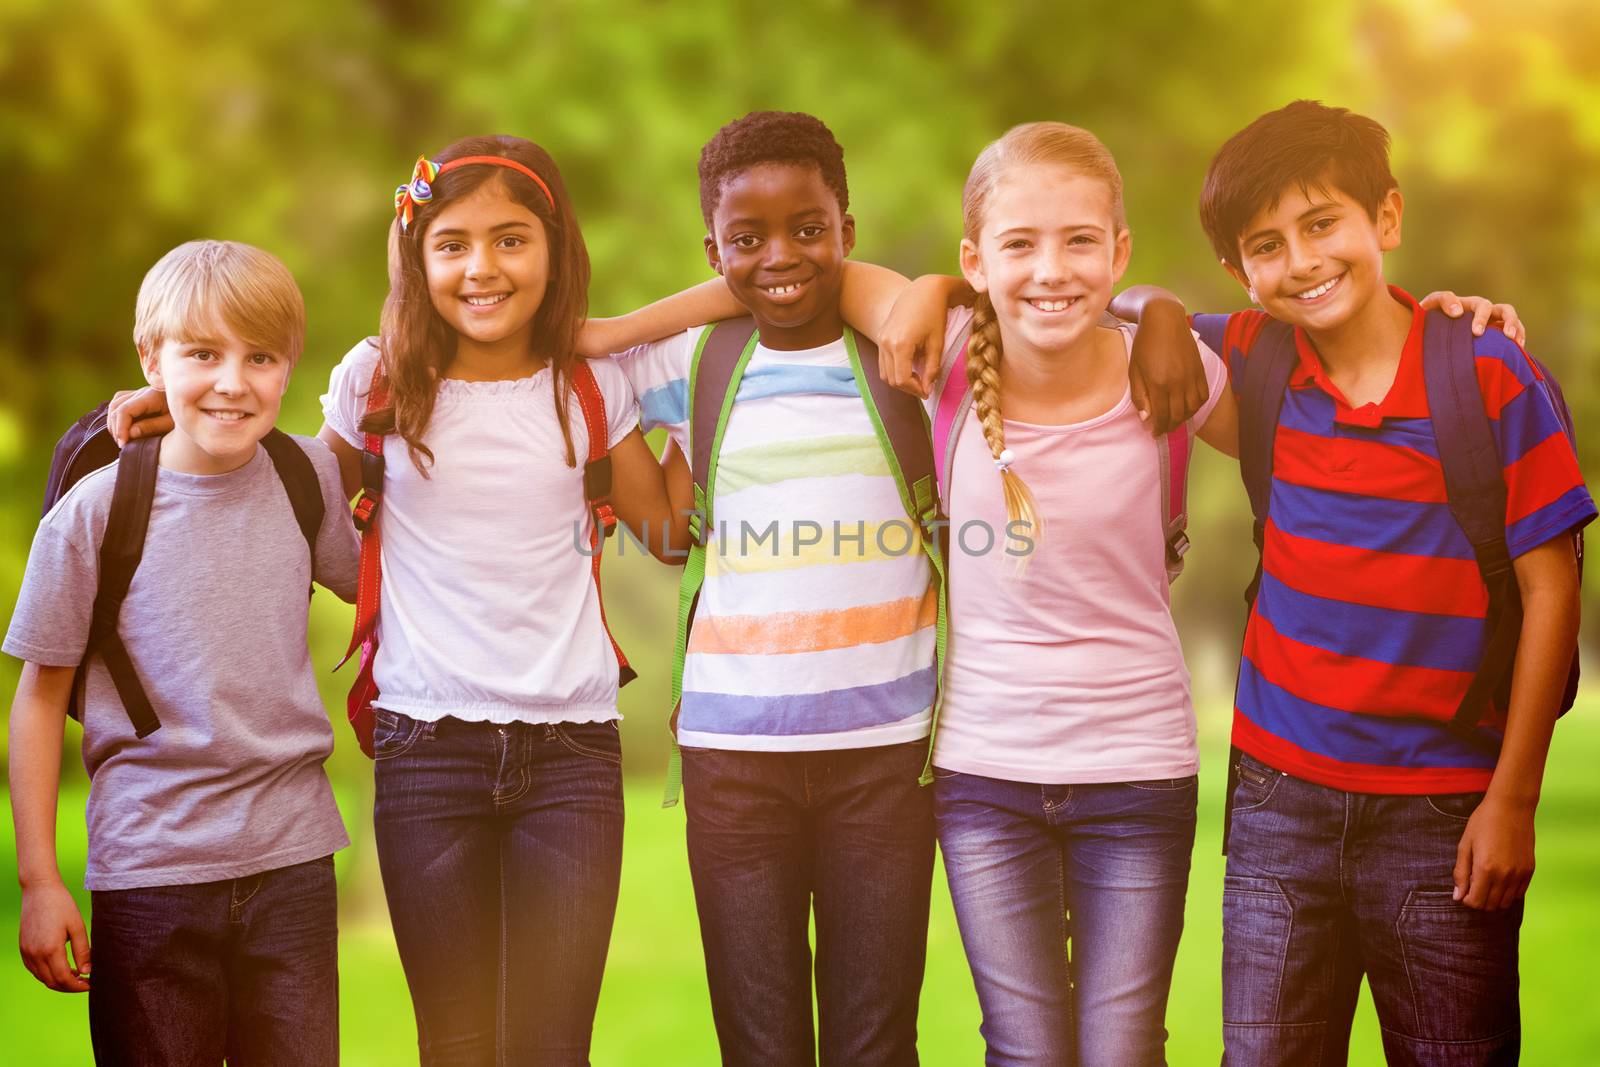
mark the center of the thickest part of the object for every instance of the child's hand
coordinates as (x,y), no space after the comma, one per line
(1166,378)
(1494,862)
(911,340)
(1484,313)
(139,413)
(50,919)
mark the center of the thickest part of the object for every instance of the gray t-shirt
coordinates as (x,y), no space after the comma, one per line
(215,623)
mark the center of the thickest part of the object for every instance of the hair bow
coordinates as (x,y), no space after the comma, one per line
(416,192)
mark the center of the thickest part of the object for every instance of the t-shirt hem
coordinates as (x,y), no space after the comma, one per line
(1417,781)
(871,737)
(214,872)
(1011,772)
(500,714)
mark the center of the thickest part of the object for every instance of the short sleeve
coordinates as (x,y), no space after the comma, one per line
(1216,381)
(622,414)
(659,376)
(338,548)
(345,403)
(50,625)
(1545,492)
(1230,337)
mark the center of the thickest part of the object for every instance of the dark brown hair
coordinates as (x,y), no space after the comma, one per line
(770,137)
(418,346)
(1305,144)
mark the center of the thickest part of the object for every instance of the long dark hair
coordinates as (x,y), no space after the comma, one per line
(418,346)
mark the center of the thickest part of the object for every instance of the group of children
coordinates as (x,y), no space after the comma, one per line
(927,532)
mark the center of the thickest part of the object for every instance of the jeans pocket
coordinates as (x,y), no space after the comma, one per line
(393,734)
(1165,785)
(1255,783)
(1460,965)
(1257,919)
(1456,806)
(596,740)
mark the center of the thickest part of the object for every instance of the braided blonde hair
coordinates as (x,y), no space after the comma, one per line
(1029,143)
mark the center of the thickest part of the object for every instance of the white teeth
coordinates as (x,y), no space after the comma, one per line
(485,301)
(783,290)
(1053,305)
(227,416)
(1312,294)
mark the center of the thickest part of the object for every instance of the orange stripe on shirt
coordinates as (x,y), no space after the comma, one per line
(814,631)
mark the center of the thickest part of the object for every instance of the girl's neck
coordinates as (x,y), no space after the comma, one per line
(504,360)
(1064,386)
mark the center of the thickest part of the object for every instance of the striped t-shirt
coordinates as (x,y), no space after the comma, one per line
(1369,623)
(816,623)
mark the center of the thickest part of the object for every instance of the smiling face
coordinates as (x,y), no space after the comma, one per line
(1315,258)
(780,240)
(224,395)
(1047,254)
(487,262)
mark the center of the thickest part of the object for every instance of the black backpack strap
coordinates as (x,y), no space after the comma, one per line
(1475,485)
(299,477)
(709,382)
(120,552)
(1267,370)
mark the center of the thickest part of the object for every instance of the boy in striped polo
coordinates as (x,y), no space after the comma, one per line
(1367,837)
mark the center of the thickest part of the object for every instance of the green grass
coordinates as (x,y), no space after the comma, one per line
(654,1009)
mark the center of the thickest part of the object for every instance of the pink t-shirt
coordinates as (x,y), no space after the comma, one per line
(1069,672)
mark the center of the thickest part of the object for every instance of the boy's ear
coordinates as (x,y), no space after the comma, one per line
(972,266)
(847,230)
(713,257)
(1390,208)
(150,363)
(1240,277)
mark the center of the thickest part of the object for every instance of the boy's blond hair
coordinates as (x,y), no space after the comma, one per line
(202,286)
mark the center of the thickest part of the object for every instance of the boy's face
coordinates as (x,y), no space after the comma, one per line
(224,395)
(780,240)
(1315,258)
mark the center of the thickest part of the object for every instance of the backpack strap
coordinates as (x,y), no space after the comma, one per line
(1173,450)
(955,400)
(299,478)
(597,493)
(1475,486)
(120,552)
(1267,370)
(364,634)
(719,361)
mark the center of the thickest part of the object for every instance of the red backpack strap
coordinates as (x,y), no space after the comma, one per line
(369,584)
(597,493)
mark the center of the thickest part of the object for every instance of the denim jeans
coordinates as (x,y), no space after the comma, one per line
(1324,886)
(247,969)
(1070,903)
(501,850)
(774,836)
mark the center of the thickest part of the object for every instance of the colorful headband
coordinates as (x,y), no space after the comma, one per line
(419,190)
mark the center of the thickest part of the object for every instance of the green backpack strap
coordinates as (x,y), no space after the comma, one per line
(719,362)
(901,425)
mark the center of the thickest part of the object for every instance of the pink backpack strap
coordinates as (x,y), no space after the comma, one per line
(955,397)
(1174,451)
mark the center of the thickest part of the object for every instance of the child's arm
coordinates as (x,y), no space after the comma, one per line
(699,304)
(349,458)
(639,495)
(1221,428)
(50,917)
(909,327)
(1494,862)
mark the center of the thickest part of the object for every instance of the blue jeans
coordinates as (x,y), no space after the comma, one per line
(772,837)
(1036,869)
(1324,886)
(501,850)
(247,969)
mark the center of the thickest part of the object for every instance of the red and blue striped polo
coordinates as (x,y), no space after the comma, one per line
(1370,620)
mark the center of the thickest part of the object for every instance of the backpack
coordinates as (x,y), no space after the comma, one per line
(898,421)
(1172,450)
(596,491)
(88,446)
(1474,480)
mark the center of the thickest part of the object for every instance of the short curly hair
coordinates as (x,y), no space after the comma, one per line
(770,137)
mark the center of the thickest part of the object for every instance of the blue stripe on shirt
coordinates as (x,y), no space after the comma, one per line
(797,714)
